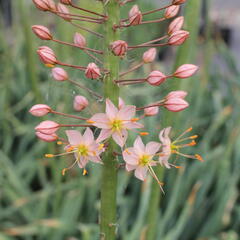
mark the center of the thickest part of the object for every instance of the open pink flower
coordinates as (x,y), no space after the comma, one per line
(115,122)
(84,147)
(140,158)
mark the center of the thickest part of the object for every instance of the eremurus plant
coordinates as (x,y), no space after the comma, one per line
(110,147)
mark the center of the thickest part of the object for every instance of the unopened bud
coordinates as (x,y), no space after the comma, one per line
(65,12)
(177,94)
(151,111)
(79,103)
(40,110)
(47,55)
(92,71)
(42,32)
(178,37)
(80,40)
(135,16)
(47,127)
(150,55)
(119,48)
(171,11)
(175,25)
(45,5)
(185,71)
(178,2)
(175,104)
(59,74)
(156,78)
(66,2)
(47,137)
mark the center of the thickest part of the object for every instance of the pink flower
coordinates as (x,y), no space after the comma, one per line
(47,127)
(47,137)
(119,48)
(175,25)
(84,147)
(185,71)
(121,103)
(156,78)
(65,12)
(47,55)
(59,74)
(151,111)
(115,122)
(40,110)
(92,71)
(177,38)
(171,11)
(80,40)
(80,103)
(176,94)
(150,55)
(45,5)
(175,104)
(166,147)
(135,16)
(42,32)
(66,2)
(140,157)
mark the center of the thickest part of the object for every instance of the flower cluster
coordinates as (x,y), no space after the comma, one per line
(117,121)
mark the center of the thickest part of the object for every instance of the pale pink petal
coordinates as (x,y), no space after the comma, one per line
(130,157)
(111,110)
(74,137)
(152,148)
(82,162)
(164,135)
(120,137)
(132,125)
(127,112)
(121,103)
(141,173)
(139,146)
(95,159)
(164,161)
(100,120)
(88,136)
(130,167)
(104,134)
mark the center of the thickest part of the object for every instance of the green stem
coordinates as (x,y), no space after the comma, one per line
(111,91)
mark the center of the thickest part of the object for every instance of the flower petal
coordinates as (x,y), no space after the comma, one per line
(74,137)
(111,110)
(126,112)
(130,157)
(104,134)
(95,159)
(82,162)
(130,167)
(120,137)
(152,148)
(139,146)
(88,136)
(100,120)
(141,173)
(132,125)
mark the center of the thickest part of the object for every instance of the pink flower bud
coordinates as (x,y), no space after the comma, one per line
(63,9)
(40,110)
(171,11)
(178,37)
(151,111)
(175,104)
(178,2)
(92,71)
(80,40)
(175,25)
(47,127)
(119,48)
(150,55)
(176,94)
(156,78)
(42,32)
(47,137)
(46,55)
(66,2)
(185,71)
(59,74)
(45,5)
(135,16)
(79,103)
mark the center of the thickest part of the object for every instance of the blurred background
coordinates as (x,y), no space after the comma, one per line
(202,200)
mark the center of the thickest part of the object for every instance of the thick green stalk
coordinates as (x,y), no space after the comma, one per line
(111,91)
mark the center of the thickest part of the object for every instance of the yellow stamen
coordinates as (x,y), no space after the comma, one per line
(126,150)
(198,157)
(143,133)
(50,65)
(85,172)
(59,142)
(64,171)
(90,121)
(101,146)
(49,155)
(69,149)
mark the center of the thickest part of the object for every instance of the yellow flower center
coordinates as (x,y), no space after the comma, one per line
(144,160)
(116,125)
(82,150)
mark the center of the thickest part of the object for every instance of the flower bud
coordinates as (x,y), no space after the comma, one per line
(59,74)
(176,94)
(42,32)
(40,110)
(79,103)
(151,111)
(178,2)
(171,11)
(45,5)
(47,137)
(80,40)
(119,48)
(185,71)
(150,55)
(92,71)
(47,56)
(135,16)
(178,37)
(175,104)
(63,9)
(175,25)
(156,78)
(47,127)
(66,2)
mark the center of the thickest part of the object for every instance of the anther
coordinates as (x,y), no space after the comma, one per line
(90,121)
(64,171)
(101,146)
(50,65)
(194,137)
(198,157)
(144,133)
(49,155)
(135,119)
(59,142)
(85,172)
